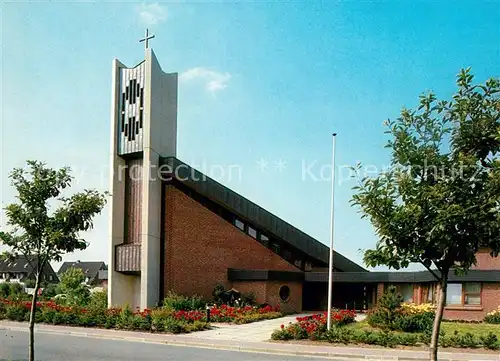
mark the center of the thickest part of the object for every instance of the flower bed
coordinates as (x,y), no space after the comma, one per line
(345,330)
(162,319)
(313,327)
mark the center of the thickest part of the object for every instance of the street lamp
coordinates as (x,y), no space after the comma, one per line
(330,263)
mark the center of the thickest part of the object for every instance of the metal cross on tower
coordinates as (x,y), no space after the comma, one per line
(146,39)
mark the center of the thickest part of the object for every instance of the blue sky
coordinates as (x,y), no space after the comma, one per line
(260,84)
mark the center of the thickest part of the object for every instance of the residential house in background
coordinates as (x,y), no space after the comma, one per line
(20,270)
(96,273)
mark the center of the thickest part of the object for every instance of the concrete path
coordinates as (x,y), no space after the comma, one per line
(252,332)
(334,352)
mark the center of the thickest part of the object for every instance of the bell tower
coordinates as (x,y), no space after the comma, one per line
(143,129)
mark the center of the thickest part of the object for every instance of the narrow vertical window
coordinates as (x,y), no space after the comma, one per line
(142,98)
(127,93)
(123,103)
(140,118)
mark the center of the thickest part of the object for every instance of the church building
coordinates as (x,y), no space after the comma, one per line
(174,228)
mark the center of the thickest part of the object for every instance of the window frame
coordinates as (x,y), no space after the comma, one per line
(464,294)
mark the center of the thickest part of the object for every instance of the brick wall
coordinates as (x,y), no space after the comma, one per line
(485,261)
(200,246)
(268,292)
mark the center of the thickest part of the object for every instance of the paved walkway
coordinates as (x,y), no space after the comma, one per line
(253,332)
(335,352)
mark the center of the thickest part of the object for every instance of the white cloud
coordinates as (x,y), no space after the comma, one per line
(152,13)
(214,81)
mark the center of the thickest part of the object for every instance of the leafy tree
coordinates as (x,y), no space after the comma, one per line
(40,231)
(73,286)
(439,202)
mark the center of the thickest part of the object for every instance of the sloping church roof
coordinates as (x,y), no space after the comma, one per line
(253,213)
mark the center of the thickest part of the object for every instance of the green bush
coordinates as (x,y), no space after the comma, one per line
(17,313)
(98,302)
(493,317)
(460,340)
(247,299)
(182,303)
(490,341)
(413,322)
(387,311)
(50,290)
(217,293)
(73,286)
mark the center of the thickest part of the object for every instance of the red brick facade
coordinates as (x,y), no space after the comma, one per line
(484,261)
(200,246)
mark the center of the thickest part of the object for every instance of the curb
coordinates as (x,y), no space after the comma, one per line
(268,349)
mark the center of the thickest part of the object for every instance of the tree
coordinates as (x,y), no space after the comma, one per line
(73,286)
(439,201)
(42,235)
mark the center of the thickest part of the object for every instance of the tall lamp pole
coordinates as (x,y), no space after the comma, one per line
(330,263)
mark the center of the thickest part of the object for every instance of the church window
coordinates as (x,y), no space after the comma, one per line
(252,232)
(264,239)
(284,293)
(239,224)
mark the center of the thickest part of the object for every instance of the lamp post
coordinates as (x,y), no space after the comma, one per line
(330,263)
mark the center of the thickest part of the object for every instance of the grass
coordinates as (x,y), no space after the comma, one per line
(474,328)
(448,327)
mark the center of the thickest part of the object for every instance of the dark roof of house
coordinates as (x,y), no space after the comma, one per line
(251,212)
(402,277)
(90,269)
(19,265)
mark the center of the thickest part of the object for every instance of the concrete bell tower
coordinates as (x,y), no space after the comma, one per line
(143,129)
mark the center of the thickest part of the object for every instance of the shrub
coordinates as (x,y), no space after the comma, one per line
(16,289)
(73,286)
(182,303)
(493,317)
(17,312)
(217,293)
(387,310)
(414,322)
(392,314)
(247,299)
(490,341)
(50,290)
(460,340)
(98,302)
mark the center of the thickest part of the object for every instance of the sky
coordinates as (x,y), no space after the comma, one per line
(262,86)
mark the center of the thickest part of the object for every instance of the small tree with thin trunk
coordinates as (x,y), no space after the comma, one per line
(439,201)
(39,229)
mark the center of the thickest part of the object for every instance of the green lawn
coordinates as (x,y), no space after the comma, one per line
(474,328)
(448,327)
